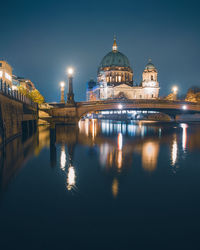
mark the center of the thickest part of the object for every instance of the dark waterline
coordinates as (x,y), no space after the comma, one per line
(102,185)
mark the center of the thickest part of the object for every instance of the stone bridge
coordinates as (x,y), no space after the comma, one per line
(71,114)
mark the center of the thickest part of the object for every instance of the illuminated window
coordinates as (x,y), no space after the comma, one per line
(1,73)
(8,76)
(119,78)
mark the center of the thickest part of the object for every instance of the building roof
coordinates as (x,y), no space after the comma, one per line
(115,58)
(150,65)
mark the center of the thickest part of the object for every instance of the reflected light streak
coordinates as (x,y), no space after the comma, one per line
(120,141)
(184,136)
(174,151)
(71,178)
(150,152)
(63,158)
(115,188)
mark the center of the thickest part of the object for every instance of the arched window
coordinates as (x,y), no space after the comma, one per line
(151,78)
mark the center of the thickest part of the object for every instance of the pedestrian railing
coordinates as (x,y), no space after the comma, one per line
(15,94)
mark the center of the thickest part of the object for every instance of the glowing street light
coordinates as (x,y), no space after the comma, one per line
(62,84)
(70,71)
(62,89)
(175,91)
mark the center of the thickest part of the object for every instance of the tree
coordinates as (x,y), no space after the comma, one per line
(36,96)
(170,97)
(24,91)
(193,95)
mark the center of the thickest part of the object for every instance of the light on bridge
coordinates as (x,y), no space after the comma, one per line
(184,107)
(120,106)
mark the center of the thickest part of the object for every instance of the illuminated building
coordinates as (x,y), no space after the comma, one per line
(20,81)
(115,79)
(13,81)
(5,73)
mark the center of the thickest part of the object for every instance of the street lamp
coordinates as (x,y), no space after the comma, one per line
(70,94)
(62,89)
(70,71)
(175,91)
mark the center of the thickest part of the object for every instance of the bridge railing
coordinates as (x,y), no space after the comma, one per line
(15,94)
(135,101)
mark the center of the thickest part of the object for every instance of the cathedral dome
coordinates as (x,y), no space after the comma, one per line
(114,59)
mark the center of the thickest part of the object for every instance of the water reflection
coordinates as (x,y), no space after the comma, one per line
(116,146)
(71,178)
(184,136)
(115,186)
(18,152)
(150,151)
(62,158)
(174,150)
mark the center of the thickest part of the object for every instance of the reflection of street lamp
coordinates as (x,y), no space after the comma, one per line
(62,89)
(175,91)
(70,94)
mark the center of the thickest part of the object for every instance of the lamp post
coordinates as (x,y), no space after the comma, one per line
(70,94)
(175,91)
(62,90)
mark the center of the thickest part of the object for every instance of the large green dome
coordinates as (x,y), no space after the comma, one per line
(114,59)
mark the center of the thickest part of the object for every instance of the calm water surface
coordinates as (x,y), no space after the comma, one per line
(102,185)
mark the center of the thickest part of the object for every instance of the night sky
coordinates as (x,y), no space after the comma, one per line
(40,39)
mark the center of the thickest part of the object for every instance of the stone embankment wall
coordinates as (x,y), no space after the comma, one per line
(14,116)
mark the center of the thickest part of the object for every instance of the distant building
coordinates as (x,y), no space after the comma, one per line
(26,83)
(115,79)
(5,73)
(92,91)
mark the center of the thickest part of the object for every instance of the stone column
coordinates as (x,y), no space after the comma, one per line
(62,89)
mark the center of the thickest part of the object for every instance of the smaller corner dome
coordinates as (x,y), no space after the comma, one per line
(150,65)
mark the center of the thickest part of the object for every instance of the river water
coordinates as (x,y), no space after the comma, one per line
(102,185)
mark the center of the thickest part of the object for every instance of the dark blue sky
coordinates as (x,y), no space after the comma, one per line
(41,38)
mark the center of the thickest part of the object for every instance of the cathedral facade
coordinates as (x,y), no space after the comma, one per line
(115,79)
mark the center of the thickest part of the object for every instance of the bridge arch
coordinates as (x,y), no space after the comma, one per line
(168,109)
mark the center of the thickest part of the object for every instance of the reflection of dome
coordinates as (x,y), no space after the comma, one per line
(115,59)
(150,65)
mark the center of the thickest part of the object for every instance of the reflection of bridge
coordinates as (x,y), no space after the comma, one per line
(71,114)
